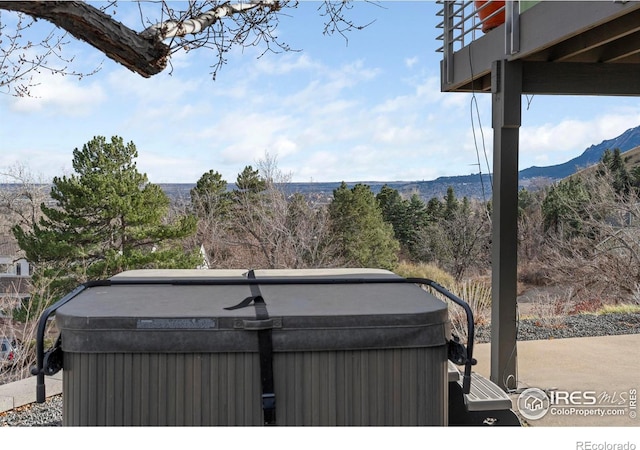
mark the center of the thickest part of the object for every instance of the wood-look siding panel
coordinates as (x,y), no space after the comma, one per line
(398,387)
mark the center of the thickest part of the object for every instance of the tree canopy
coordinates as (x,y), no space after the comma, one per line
(210,195)
(107,218)
(407,216)
(258,224)
(364,238)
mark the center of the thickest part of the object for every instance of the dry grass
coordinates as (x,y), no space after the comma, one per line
(422,270)
(619,309)
(549,311)
(476,292)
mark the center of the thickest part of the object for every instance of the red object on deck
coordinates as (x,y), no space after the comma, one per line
(489,8)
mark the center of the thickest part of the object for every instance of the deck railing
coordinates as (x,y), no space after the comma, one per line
(461,25)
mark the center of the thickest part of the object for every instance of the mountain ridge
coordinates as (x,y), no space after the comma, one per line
(592,155)
(472,186)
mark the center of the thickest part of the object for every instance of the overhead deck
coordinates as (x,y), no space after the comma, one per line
(546,47)
(566,47)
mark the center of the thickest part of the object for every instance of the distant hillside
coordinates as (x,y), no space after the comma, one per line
(626,141)
(472,186)
(631,159)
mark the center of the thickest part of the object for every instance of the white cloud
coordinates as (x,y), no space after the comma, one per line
(410,62)
(349,75)
(320,166)
(242,137)
(335,107)
(283,146)
(389,132)
(429,90)
(163,168)
(285,64)
(56,94)
(425,92)
(392,105)
(130,89)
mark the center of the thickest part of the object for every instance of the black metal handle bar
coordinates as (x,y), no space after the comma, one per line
(38,369)
(466,377)
(215,281)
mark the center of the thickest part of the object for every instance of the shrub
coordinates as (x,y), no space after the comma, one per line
(476,292)
(424,270)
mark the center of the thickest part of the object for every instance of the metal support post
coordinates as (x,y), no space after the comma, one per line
(506,87)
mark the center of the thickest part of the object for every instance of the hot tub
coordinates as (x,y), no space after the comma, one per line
(265,347)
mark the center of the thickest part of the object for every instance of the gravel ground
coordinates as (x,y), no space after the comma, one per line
(579,325)
(583,325)
(48,414)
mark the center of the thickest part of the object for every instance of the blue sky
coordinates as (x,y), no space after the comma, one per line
(369,109)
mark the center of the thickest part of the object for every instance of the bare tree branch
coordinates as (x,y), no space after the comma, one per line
(146,56)
(337,21)
(195,25)
(144,52)
(21,195)
(21,58)
(198,24)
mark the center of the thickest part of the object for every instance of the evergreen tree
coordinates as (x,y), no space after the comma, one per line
(435,209)
(621,177)
(407,217)
(249,205)
(210,195)
(250,181)
(247,196)
(635,178)
(525,201)
(456,235)
(418,211)
(563,206)
(364,238)
(465,208)
(394,211)
(451,204)
(107,218)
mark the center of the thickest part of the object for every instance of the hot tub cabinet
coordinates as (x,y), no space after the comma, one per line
(305,347)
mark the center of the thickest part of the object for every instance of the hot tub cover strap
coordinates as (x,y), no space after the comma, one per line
(265,350)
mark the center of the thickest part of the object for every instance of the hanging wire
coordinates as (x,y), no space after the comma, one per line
(474,102)
(506,379)
(529,100)
(474,108)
